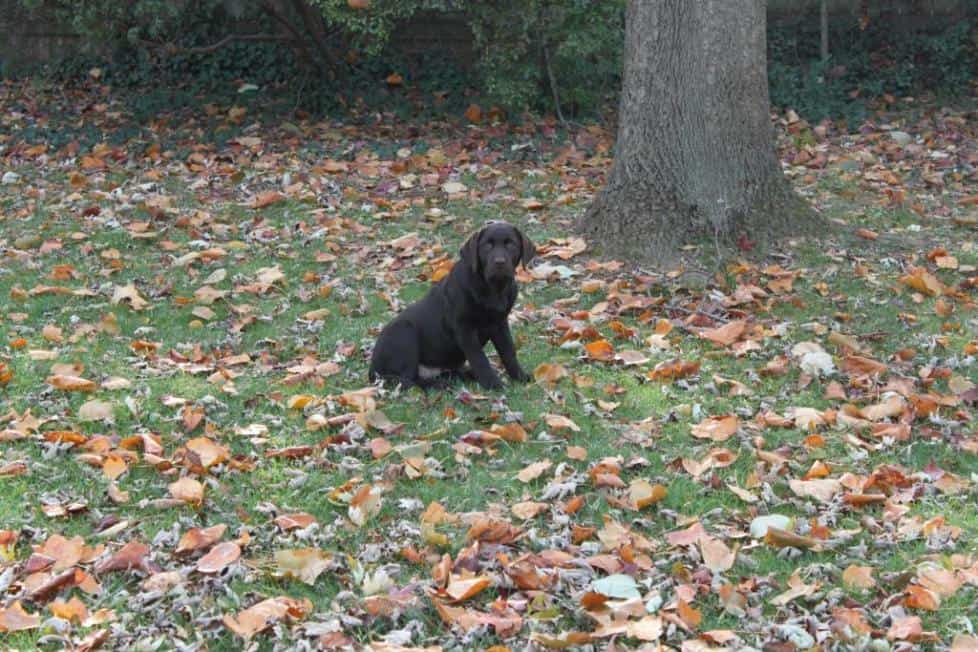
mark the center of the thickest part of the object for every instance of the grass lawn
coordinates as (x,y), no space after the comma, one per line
(191,454)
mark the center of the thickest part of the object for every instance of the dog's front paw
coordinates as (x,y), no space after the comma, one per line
(523,377)
(491,382)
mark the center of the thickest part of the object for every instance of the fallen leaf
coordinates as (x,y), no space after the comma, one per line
(197,539)
(263,615)
(533,471)
(306,564)
(717,428)
(188,490)
(858,577)
(15,619)
(220,557)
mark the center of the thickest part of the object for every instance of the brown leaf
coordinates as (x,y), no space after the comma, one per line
(689,614)
(71,383)
(65,552)
(529,509)
(559,422)
(197,539)
(783,539)
(15,619)
(188,490)
(964,642)
(263,615)
(364,504)
(859,577)
(473,113)
(550,373)
(923,281)
(205,453)
(297,521)
(533,471)
(268,198)
(220,557)
(130,556)
(821,489)
(717,428)
(716,555)
(727,334)
(797,589)
(862,366)
(905,628)
(688,537)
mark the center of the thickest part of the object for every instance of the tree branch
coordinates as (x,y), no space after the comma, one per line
(299,43)
(172,48)
(553,85)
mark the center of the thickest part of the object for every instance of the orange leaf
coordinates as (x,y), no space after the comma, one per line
(727,334)
(642,493)
(511,432)
(268,198)
(196,539)
(461,590)
(73,609)
(923,281)
(600,350)
(473,113)
(71,383)
(783,539)
(673,370)
(113,466)
(689,614)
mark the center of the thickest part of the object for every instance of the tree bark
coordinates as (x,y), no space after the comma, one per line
(695,152)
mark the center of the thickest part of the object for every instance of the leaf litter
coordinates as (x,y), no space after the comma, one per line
(783,458)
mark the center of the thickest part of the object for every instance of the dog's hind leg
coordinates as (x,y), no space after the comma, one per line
(396,356)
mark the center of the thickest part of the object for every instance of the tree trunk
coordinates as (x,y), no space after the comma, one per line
(695,151)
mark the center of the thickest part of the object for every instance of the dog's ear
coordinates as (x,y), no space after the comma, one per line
(527,249)
(470,251)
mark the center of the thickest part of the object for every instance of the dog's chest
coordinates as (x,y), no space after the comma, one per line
(491,307)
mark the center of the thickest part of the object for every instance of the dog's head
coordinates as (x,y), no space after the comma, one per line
(495,251)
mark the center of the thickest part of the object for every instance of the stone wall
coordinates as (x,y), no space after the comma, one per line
(26,39)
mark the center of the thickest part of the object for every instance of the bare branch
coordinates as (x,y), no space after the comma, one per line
(172,48)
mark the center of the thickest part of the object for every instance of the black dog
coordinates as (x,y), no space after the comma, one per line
(452,323)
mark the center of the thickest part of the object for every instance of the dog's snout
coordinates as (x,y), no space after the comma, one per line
(499,261)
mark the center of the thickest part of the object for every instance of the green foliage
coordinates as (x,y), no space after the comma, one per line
(866,64)
(514,40)
(524,50)
(582,39)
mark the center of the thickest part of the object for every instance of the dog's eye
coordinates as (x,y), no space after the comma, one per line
(509,243)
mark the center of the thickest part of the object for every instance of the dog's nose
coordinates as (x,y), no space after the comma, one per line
(499,262)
